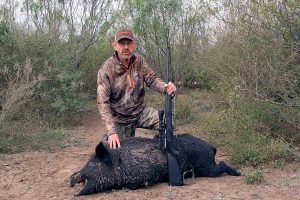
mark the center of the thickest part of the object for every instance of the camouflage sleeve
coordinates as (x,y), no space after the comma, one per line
(150,78)
(103,101)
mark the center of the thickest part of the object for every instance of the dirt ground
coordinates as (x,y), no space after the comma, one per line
(42,175)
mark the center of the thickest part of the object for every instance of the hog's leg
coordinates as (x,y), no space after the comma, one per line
(223,168)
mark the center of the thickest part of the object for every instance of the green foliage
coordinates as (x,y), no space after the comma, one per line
(3,31)
(154,100)
(242,131)
(254,177)
(246,52)
(246,156)
(165,33)
(60,56)
(44,83)
(255,58)
(279,163)
(42,140)
(183,109)
(48,140)
(183,105)
(17,90)
(60,96)
(196,77)
(92,63)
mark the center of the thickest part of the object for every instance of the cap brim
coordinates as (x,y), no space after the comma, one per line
(124,37)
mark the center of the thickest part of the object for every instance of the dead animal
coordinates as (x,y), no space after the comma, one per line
(140,163)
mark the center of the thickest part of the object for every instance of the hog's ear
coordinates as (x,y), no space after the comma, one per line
(101,151)
(103,154)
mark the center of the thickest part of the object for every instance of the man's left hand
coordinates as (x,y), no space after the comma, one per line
(170,88)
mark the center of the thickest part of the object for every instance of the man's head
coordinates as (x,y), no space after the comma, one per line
(124,43)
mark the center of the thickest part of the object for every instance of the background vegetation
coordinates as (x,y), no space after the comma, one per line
(244,54)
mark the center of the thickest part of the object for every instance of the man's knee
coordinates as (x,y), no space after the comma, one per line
(149,119)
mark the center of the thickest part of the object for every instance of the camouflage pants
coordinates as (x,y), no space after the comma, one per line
(148,120)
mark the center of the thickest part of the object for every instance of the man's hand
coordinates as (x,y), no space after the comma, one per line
(113,141)
(170,88)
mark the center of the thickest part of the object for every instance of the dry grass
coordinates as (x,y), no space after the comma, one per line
(20,89)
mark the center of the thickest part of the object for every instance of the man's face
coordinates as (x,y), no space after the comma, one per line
(125,48)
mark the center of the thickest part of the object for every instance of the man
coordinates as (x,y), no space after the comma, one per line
(120,90)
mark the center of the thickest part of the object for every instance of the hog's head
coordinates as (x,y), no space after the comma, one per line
(99,173)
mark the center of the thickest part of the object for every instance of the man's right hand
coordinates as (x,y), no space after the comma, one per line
(113,141)
(170,88)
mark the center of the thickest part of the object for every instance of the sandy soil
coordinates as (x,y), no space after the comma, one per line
(42,175)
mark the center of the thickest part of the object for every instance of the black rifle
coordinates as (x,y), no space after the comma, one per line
(167,142)
(167,134)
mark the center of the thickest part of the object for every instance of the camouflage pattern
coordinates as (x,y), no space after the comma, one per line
(120,93)
(148,120)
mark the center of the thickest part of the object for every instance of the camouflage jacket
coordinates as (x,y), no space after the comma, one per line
(120,91)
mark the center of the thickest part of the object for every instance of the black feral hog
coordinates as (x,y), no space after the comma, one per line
(140,163)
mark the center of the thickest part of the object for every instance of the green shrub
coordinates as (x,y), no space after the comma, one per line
(254,177)
(245,156)
(61,95)
(242,132)
(278,163)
